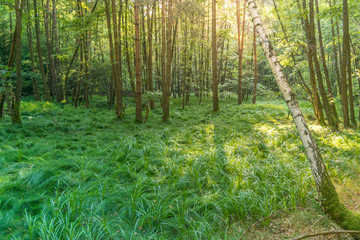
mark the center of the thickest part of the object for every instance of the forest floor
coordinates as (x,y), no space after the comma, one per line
(82,174)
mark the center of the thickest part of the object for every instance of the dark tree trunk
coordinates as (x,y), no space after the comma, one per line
(241,37)
(346,47)
(150,56)
(214,59)
(37,96)
(117,77)
(317,104)
(255,68)
(167,79)
(138,115)
(16,104)
(51,66)
(127,46)
(326,72)
(39,53)
(313,54)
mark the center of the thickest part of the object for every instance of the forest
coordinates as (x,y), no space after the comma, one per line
(179,119)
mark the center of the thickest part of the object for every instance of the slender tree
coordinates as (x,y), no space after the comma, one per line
(37,96)
(344,65)
(255,68)
(16,102)
(39,53)
(117,77)
(51,67)
(241,37)
(149,67)
(138,115)
(333,111)
(313,54)
(329,197)
(214,59)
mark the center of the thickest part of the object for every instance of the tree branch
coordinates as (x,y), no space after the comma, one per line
(270,216)
(326,233)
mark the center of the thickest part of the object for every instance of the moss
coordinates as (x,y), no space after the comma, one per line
(332,205)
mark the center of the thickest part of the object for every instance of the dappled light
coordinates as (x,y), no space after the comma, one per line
(155,179)
(179,119)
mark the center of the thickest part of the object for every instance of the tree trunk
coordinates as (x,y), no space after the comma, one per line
(351,96)
(132,84)
(185,65)
(166,82)
(7,93)
(326,72)
(317,104)
(51,66)
(313,54)
(16,104)
(111,49)
(329,197)
(29,35)
(149,61)
(59,82)
(346,47)
(240,45)
(138,115)
(214,59)
(117,77)
(337,72)
(255,68)
(40,56)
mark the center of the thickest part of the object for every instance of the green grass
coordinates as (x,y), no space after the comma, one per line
(82,174)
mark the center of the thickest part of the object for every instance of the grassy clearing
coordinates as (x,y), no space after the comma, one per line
(82,174)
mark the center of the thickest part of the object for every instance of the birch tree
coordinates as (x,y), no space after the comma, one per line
(330,201)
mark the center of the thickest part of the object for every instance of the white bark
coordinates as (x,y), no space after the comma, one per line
(329,198)
(312,152)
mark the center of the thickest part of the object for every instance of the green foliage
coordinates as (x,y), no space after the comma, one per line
(81,174)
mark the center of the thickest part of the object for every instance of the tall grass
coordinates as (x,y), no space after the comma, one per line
(81,174)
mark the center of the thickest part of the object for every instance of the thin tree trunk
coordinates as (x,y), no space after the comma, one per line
(7,94)
(16,104)
(326,72)
(37,96)
(189,67)
(60,85)
(346,47)
(329,197)
(51,66)
(337,72)
(149,61)
(86,67)
(80,76)
(241,37)
(255,68)
(117,77)
(138,116)
(313,54)
(317,104)
(39,53)
(167,79)
(185,64)
(143,52)
(351,96)
(214,59)
(132,83)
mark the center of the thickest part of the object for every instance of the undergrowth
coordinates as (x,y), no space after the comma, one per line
(82,174)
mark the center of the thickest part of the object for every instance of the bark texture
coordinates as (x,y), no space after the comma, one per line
(329,198)
(138,115)
(214,59)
